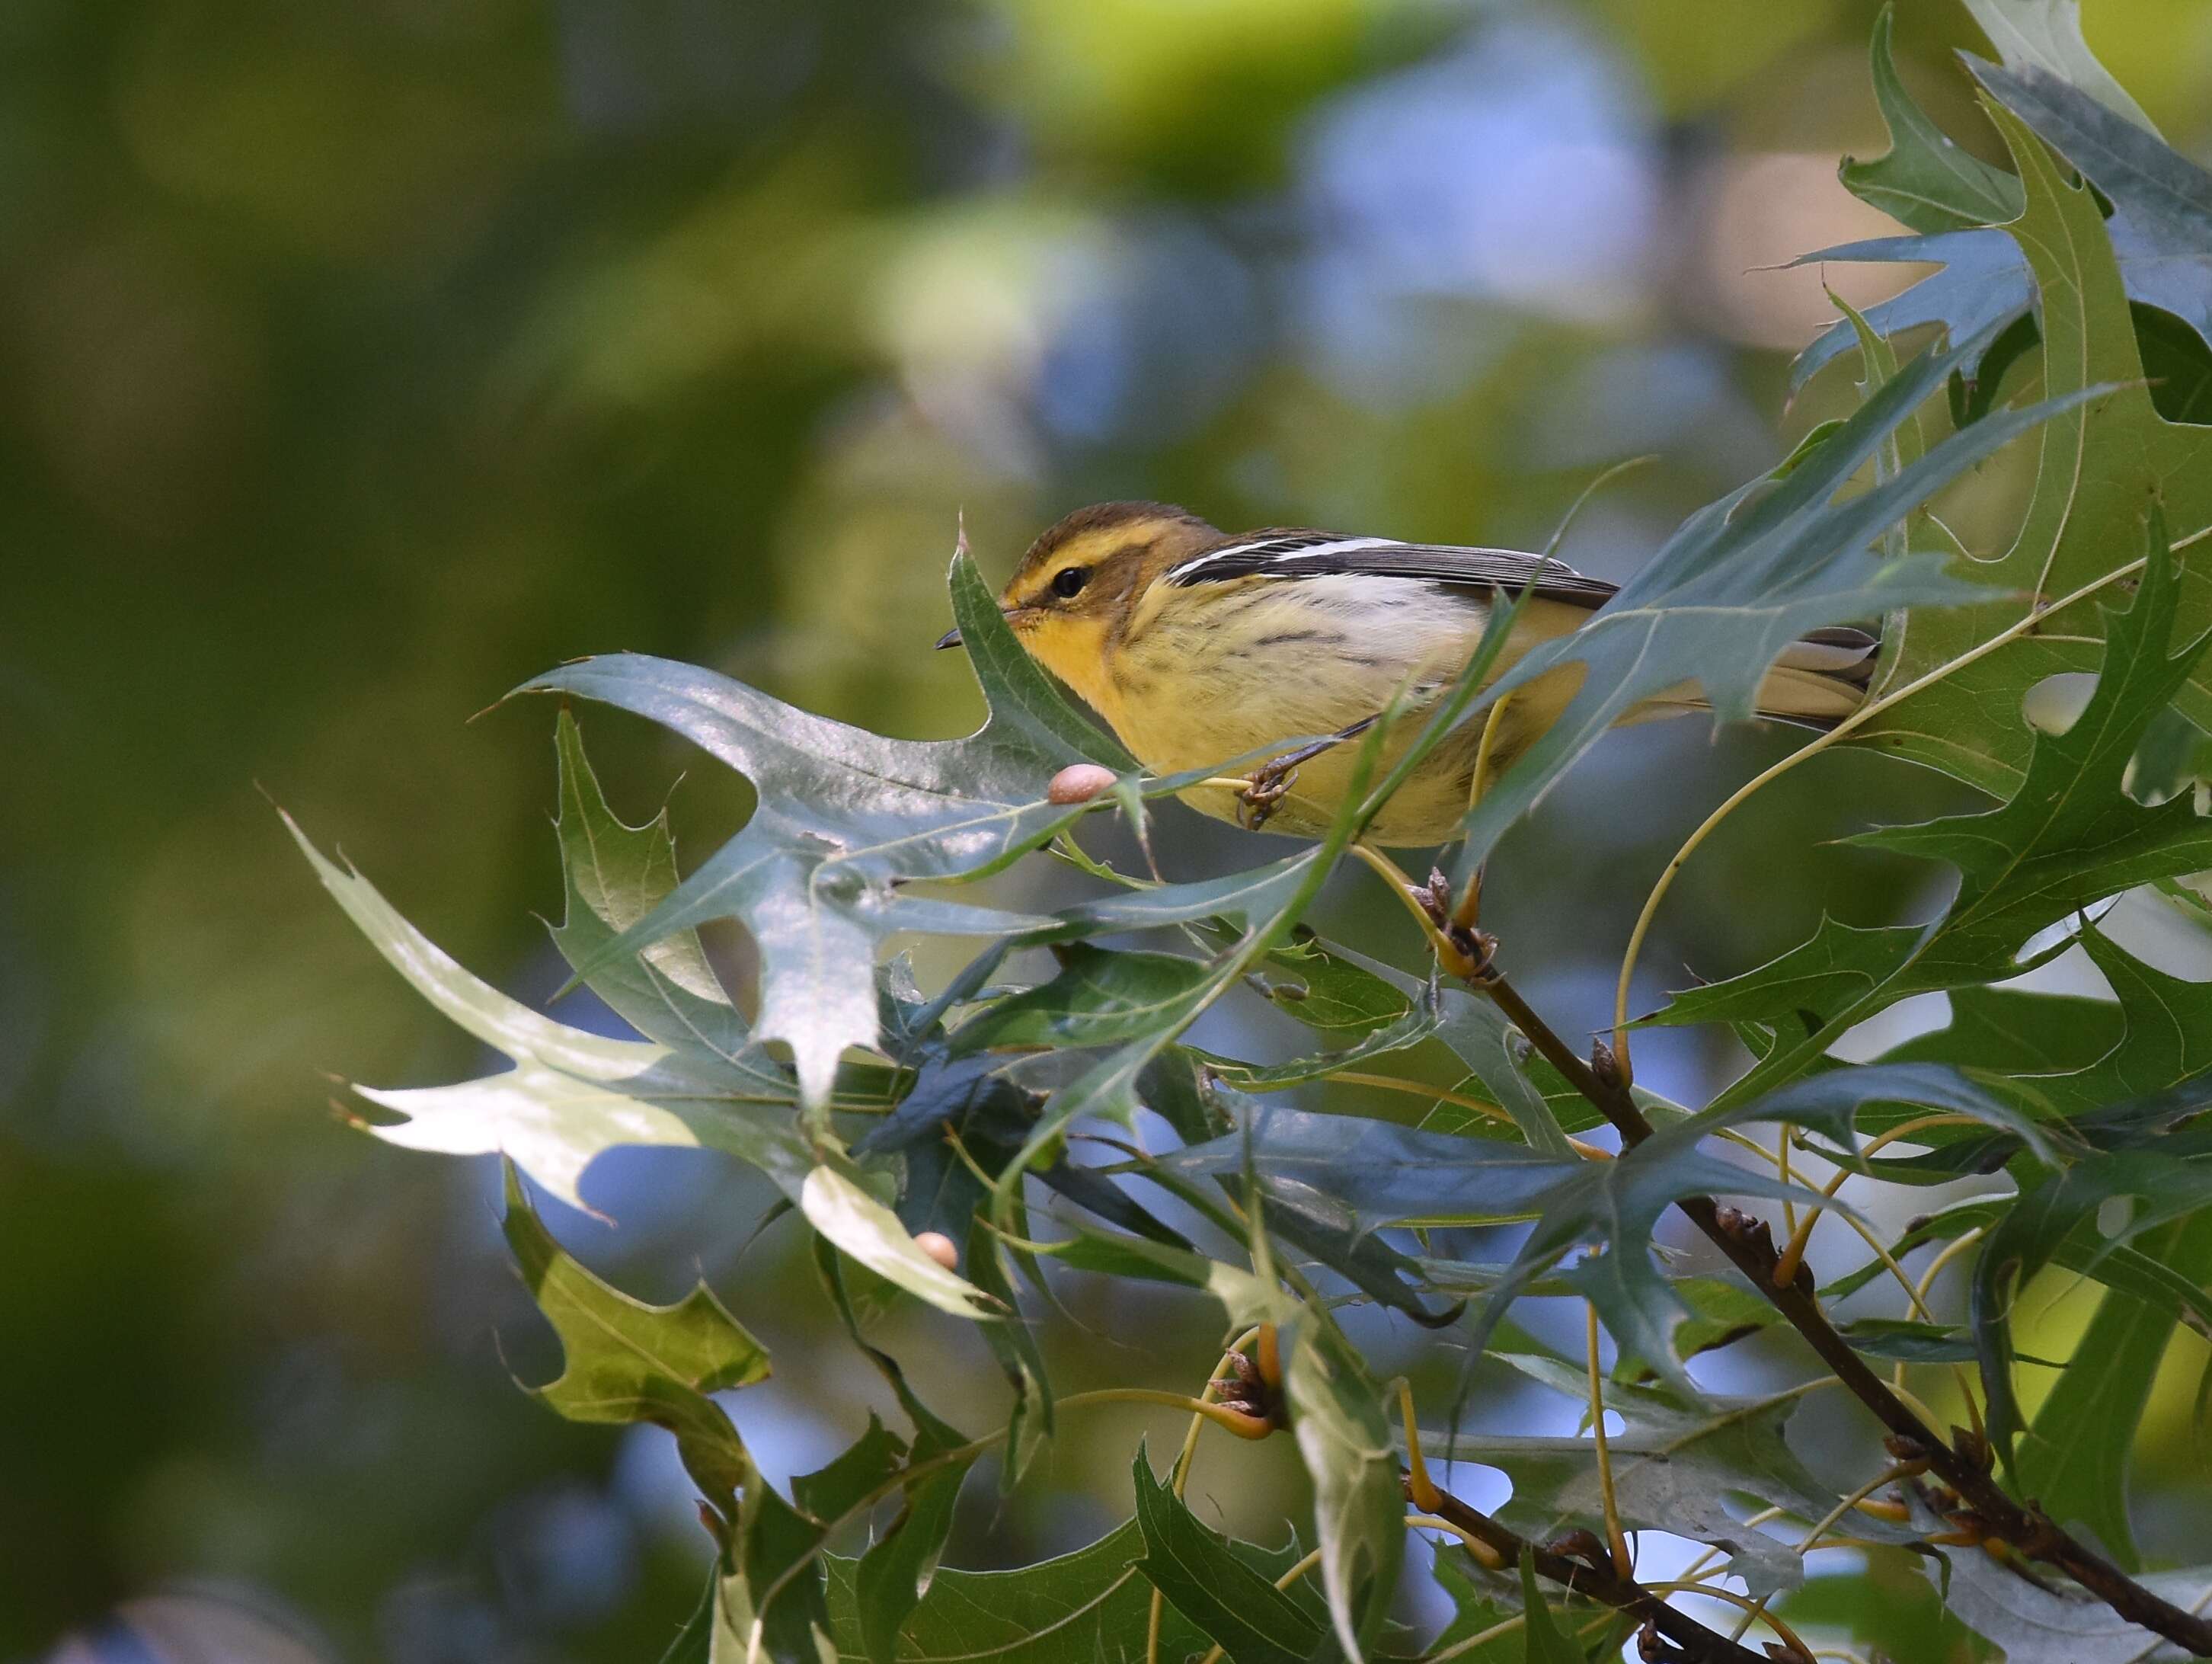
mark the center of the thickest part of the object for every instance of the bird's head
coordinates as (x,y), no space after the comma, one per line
(1071,596)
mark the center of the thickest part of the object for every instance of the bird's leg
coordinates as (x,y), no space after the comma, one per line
(1269,783)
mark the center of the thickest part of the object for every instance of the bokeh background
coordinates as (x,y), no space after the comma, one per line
(357,362)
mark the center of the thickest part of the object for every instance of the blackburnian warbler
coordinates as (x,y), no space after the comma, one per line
(1197,646)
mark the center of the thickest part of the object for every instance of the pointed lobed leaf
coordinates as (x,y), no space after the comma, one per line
(1744,579)
(1925,180)
(1092,1605)
(2101,468)
(2169,1179)
(837,1206)
(1676,1463)
(2075,1458)
(1542,1640)
(616,874)
(571,1095)
(2044,37)
(1240,1610)
(626,1360)
(2069,837)
(845,818)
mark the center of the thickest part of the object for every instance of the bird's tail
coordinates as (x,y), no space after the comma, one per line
(1816,683)
(1820,679)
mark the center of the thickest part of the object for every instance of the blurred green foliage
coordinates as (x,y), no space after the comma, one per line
(357,362)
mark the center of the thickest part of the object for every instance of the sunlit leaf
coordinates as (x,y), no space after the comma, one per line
(837,1206)
(616,874)
(2074,1457)
(629,1361)
(2098,478)
(2169,1177)
(2043,37)
(845,818)
(571,1093)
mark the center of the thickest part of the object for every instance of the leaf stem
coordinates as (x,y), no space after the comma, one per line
(1756,1609)
(1623,1562)
(1793,1254)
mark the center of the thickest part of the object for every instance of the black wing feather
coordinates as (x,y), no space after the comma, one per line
(1292,554)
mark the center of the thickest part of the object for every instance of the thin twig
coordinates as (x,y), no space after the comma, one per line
(1692,1640)
(1749,1245)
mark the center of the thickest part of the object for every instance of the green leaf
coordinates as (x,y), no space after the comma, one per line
(2070,836)
(616,874)
(1092,1605)
(846,818)
(2075,1458)
(852,1475)
(1722,1313)
(837,1206)
(1474,1610)
(1541,1104)
(1392,1174)
(1327,989)
(1908,1341)
(1336,1417)
(2102,468)
(2161,221)
(695,1642)
(2077,1055)
(1743,580)
(2170,1177)
(628,1362)
(2158,228)
(1925,180)
(1239,1608)
(2043,37)
(1541,1630)
(571,1095)
(1101,996)
(2035,1622)
(1676,1461)
(1386,1173)
(1268,903)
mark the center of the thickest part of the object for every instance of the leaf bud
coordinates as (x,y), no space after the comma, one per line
(1079,783)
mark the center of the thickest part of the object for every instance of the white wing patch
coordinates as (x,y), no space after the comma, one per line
(1276,549)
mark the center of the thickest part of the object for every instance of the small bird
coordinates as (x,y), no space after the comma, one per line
(1198,647)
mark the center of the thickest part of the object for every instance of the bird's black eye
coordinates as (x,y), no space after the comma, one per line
(1068,582)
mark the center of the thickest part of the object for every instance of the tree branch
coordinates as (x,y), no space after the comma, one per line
(1685,1638)
(1963,1466)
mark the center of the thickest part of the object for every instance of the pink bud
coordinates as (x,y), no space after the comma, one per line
(1079,783)
(939,1246)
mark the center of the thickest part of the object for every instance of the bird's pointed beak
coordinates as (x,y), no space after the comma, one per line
(1020,617)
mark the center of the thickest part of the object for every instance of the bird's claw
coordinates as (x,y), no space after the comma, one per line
(1266,787)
